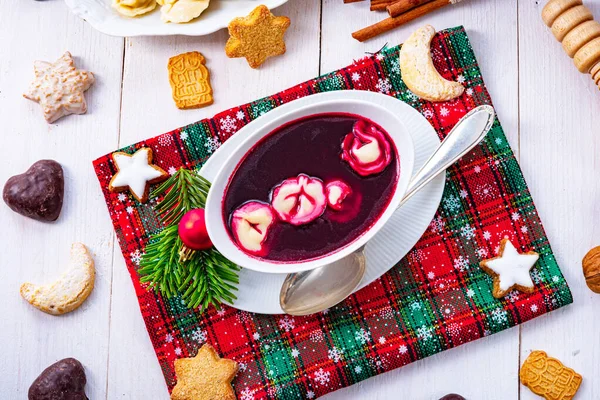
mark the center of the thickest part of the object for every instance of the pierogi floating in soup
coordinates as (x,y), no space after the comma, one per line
(311,187)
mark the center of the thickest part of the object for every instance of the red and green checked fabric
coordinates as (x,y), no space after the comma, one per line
(436,298)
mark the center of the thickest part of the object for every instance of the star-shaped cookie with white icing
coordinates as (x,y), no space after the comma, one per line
(510,269)
(59,88)
(135,172)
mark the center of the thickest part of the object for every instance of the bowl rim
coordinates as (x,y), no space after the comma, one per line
(391,123)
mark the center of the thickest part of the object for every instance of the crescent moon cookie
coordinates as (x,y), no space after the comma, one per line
(70,290)
(419,73)
(133,8)
(510,269)
(135,172)
(59,87)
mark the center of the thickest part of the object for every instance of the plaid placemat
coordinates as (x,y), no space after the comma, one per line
(436,298)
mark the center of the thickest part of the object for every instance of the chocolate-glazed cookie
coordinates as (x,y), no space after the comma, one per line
(38,193)
(453,396)
(63,380)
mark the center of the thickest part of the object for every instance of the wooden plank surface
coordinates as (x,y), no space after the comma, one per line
(537,93)
(35,251)
(560,127)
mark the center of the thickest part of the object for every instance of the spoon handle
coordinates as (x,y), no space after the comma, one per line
(465,135)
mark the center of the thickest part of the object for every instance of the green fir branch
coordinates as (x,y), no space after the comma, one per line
(185,190)
(207,277)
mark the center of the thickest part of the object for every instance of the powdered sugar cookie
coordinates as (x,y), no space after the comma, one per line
(418,71)
(70,290)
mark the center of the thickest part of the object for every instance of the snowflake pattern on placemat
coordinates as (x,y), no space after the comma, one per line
(434,299)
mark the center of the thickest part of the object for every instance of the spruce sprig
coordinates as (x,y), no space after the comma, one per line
(206,277)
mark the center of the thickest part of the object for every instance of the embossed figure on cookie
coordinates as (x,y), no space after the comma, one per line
(135,172)
(204,377)
(257,36)
(548,377)
(510,269)
(190,80)
(59,88)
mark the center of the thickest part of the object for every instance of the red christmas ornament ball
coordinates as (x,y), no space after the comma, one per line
(192,230)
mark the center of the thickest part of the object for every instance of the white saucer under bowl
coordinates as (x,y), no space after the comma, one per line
(259,292)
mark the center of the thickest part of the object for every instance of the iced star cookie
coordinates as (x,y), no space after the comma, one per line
(257,36)
(59,87)
(135,172)
(510,269)
(204,377)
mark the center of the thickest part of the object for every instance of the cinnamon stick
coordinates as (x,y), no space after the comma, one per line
(390,23)
(380,5)
(402,6)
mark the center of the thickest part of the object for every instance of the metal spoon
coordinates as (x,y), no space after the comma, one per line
(313,291)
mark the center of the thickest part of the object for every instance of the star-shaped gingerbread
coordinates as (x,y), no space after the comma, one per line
(59,88)
(204,377)
(510,269)
(257,36)
(135,172)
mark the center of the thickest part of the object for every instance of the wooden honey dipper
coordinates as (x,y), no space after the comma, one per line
(574,26)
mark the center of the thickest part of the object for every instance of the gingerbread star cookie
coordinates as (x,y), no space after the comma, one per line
(257,36)
(510,269)
(59,87)
(204,377)
(190,80)
(135,172)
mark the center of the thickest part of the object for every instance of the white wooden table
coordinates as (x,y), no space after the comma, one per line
(550,112)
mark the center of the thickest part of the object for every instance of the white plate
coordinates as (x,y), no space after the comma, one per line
(259,292)
(104,18)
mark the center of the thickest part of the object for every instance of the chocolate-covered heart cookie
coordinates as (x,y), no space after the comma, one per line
(453,396)
(38,193)
(63,380)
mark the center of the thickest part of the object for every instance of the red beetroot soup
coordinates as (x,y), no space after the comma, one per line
(311,187)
